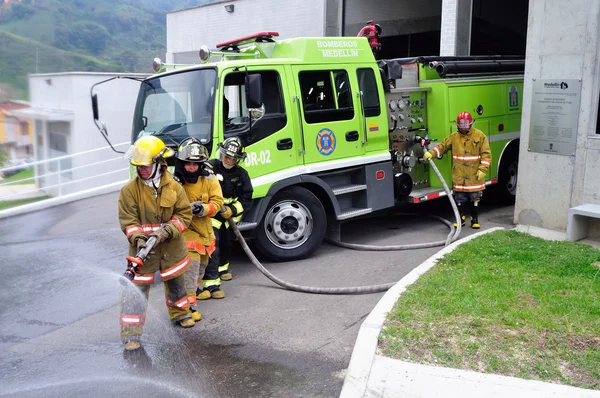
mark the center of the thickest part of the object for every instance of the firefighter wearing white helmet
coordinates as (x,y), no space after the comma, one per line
(471,158)
(204,192)
(237,193)
(153,204)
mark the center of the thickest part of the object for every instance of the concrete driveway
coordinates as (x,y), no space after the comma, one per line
(59,315)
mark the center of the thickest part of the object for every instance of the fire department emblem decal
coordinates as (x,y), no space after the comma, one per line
(326,142)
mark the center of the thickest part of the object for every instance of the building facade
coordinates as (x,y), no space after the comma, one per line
(560,145)
(63,124)
(191,28)
(409,27)
(16,133)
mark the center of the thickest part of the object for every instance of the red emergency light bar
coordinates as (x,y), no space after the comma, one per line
(257,37)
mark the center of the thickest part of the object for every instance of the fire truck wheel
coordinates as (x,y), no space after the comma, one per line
(293,227)
(507,180)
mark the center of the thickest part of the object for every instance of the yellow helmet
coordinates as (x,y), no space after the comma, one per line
(148,150)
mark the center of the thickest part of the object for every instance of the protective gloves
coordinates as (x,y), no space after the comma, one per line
(226,212)
(427,156)
(480,175)
(198,208)
(162,235)
(140,243)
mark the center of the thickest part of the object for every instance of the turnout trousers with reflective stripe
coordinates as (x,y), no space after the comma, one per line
(463,197)
(199,254)
(134,301)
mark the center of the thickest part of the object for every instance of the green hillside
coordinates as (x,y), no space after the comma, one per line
(47,36)
(24,56)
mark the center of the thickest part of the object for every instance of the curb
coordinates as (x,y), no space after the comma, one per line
(359,369)
(44,204)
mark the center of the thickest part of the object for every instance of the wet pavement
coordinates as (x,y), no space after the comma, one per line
(59,328)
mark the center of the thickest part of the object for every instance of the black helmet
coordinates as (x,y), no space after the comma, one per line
(191,150)
(233,148)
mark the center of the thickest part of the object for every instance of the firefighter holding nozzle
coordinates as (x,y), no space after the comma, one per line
(153,204)
(471,158)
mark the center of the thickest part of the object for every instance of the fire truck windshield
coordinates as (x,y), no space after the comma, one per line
(177,106)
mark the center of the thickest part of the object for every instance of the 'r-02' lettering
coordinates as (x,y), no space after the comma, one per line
(255,158)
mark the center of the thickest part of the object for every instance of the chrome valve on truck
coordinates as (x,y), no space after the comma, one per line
(424,142)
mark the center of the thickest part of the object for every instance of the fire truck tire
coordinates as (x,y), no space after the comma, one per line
(507,180)
(293,227)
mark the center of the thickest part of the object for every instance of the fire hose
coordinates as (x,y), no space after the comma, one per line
(452,236)
(134,262)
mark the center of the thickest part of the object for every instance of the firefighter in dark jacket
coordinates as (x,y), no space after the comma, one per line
(471,158)
(237,193)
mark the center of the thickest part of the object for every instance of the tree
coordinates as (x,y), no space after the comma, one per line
(88,35)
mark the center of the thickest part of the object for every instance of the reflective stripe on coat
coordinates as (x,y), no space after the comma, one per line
(470,153)
(142,210)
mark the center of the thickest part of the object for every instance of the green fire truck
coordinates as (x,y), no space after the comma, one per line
(331,133)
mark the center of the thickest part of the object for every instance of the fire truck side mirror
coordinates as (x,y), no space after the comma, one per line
(254,93)
(95,106)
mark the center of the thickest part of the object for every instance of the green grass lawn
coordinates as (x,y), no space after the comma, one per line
(20,176)
(505,303)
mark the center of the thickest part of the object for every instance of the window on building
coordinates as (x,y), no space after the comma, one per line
(235,112)
(368,85)
(58,145)
(326,96)
(9,130)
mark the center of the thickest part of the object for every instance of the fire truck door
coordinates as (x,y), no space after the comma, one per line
(374,120)
(271,145)
(329,112)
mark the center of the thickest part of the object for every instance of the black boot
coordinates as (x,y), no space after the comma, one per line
(475,215)
(461,212)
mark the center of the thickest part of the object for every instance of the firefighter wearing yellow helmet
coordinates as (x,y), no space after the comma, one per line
(153,204)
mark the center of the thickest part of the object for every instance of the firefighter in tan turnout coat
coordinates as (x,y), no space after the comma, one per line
(204,193)
(154,204)
(471,158)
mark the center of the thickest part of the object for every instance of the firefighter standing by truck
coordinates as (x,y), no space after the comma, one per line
(471,157)
(204,193)
(153,204)
(237,193)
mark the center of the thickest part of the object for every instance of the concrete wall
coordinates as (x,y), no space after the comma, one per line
(562,43)
(210,24)
(70,93)
(455,38)
(396,17)
(333,17)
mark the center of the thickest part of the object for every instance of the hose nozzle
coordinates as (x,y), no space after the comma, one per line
(129,273)
(133,263)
